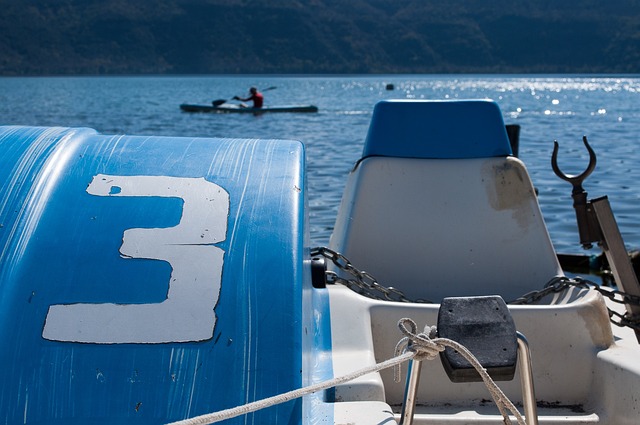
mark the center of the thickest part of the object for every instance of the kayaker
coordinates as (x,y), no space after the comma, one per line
(256,97)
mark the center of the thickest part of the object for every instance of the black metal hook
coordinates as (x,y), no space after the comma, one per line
(588,227)
(576,181)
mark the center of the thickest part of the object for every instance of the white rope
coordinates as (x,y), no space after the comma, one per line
(427,347)
(418,346)
(291,395)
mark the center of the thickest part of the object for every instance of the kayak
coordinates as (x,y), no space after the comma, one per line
(232,108)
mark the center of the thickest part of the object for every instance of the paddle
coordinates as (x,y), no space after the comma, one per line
(221,101)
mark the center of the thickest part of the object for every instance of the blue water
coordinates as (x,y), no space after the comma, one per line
(606,109)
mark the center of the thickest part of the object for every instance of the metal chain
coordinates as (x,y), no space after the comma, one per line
(620,297)
(557,284)
(365,284)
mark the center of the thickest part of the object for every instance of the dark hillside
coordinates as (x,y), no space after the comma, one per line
(318,36)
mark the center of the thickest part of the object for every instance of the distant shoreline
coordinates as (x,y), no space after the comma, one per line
(358,37)
(339,75)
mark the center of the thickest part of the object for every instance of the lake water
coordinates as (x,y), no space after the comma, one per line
(563,108)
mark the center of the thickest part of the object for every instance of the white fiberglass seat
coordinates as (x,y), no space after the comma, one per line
(438,207)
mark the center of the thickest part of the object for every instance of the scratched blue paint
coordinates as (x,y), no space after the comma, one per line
(59,245)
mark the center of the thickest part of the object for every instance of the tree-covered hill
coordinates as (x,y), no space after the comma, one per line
(318,36)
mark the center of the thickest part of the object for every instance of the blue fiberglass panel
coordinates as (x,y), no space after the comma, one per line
(439,129)
(148,279)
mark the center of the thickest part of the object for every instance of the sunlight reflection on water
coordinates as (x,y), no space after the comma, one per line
(563,108)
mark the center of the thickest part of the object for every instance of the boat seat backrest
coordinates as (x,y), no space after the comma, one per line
(445,226)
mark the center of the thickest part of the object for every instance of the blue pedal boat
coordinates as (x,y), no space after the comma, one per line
(156,279)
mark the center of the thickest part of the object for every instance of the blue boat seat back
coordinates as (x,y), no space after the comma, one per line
(437,129)
(434,223)
(148,279)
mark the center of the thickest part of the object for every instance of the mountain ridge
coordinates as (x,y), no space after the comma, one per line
(64,37)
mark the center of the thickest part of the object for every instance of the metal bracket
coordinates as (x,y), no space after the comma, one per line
(596,223)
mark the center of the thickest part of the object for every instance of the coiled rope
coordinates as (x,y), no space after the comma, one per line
(418,346)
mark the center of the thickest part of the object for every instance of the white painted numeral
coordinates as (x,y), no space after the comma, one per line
(194,288)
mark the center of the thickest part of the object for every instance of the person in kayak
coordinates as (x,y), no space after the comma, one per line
(256,97)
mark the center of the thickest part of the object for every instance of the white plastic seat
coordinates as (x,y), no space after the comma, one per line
(401,210)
